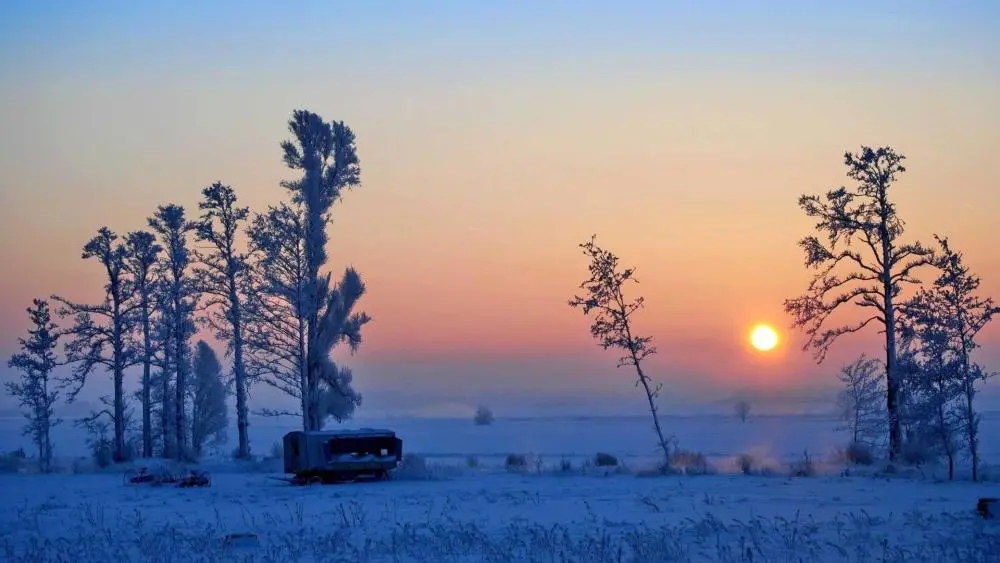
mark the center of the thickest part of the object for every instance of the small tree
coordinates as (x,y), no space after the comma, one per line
(860,402)
(36,361)
(863,235)
(935,388)
(208,400)
(483,416)
(953,310)
(742,409)
(612,325)
(224,275)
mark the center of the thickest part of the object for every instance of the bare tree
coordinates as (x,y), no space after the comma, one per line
(142,254)
(208,400)
(224,278)
(100,335)
(36,361)
(860,402)
(955,313)
(173,228)
(327,156)
(612,325)
(483,416)
(863,233)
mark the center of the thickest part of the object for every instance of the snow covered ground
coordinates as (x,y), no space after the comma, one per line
(458,512)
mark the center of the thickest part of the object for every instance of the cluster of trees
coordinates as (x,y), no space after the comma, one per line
(923,389)
(254,280)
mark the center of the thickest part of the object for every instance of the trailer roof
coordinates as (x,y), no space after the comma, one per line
(346,432)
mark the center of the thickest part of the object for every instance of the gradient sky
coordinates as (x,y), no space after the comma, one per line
(496,136)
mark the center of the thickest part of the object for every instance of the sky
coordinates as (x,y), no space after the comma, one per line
(494,137)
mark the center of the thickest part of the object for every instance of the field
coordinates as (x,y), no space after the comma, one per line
(467,506)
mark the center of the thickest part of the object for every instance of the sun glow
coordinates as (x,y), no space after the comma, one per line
(763,338)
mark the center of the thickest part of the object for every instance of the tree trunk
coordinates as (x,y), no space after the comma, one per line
(179,383)
(147,409)
(972,430)
(892,383)
(165,403)
(652,410)
(239,371)
(303,376)
(119,381)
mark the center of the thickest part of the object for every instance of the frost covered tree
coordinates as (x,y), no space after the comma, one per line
(162,394)
(142,256)
(208,400)
(223,274)
(612,324)
(863,262)
(954,313)
(101,333)
(327,156)
(860,402)
(35,389)
(935,387)
(180,294)
(276,322)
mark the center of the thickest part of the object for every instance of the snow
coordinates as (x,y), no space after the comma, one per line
(463,511)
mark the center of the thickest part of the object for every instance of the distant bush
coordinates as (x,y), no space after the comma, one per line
(11,462)
(859,453)
(803,467)
(483,416)
(605,460)
(413,467)
(516,462)
(472,462)
(918,451)
(277,451)
(746,463)
(565,465)
(690,463)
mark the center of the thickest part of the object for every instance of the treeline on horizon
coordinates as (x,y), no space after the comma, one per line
(255,280)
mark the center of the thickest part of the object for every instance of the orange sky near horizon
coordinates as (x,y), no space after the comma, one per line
(479,180)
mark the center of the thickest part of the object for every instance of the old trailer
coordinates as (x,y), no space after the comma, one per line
(330,456)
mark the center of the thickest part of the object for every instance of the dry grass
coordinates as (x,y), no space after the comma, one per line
(99,535)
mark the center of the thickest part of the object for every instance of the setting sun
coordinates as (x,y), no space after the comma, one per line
(763,338)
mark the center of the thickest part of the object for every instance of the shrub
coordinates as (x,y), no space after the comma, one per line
(803,467)
(690,463)
(412,467)
(472,462)
(483,416)
(918,452)
(859,453)
(746,463)
(515,462)
(11,462)
(277,451)
(565,465)
(605,460)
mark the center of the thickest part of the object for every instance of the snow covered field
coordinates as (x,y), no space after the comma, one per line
(455,512)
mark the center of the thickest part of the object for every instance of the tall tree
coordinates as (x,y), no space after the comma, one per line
(208,399)
(36,361)
(170,224)
(954,310)
(327,156)
(142,256)
(100,336)
(612,325)
(224,277)
(863,237)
